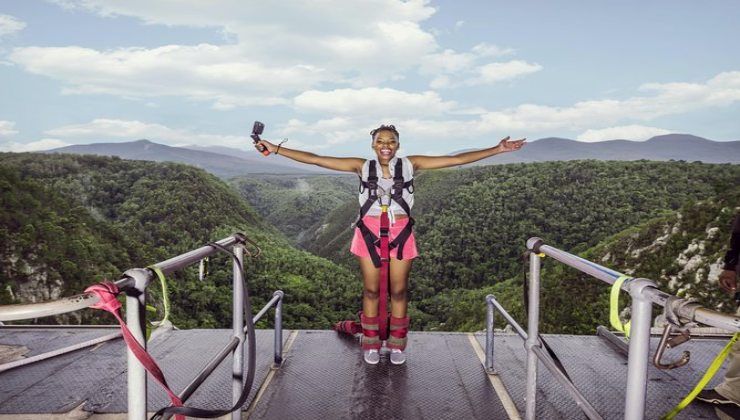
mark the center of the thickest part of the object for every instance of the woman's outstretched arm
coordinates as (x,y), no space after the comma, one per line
(329,162)
(436,162)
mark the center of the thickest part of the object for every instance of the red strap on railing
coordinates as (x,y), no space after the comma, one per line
(107,292)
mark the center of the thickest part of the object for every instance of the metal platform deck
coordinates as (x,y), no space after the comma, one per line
(323,377)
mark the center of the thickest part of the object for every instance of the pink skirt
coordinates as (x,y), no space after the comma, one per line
(359,247)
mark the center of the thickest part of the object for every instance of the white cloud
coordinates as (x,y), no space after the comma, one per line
(204,72)
(7,128)
(489,50)
(465,68)
(331,131)
(274,52)
(373,102)
(498,72)
(34,146)
(277,51)
(105,129)
(10,25)
(667,99)
(360,110)
(624,132)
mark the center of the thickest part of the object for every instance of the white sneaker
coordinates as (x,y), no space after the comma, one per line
(372,356)
(398,357)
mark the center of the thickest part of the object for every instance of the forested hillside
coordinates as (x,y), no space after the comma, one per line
(681,251)
(295,204)
(472,223)
(69,221)
(472,235)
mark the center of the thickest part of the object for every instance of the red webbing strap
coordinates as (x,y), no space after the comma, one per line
(385,254)
(348,327)
(107,292)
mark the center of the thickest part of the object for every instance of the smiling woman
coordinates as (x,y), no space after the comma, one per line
(383,241)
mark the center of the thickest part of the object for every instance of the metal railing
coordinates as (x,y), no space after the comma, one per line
(134,283)
(644,294)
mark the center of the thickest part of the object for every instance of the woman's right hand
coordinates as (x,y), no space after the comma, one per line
(270,147)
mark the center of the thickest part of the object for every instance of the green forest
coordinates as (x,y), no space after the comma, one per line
(69,221)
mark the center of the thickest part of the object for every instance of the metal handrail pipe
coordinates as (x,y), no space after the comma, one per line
(238,310)
(205,372)
(54,307)
(59,326)
(491,300)
(183,260)
(278,339)
(694,311)
(600,272)
(85,300)
(683,308)
(58,352)
(533,319)
(268,305)
(579,399)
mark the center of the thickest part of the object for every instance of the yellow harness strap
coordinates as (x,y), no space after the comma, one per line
(713,368)
(614,308)
(165,294)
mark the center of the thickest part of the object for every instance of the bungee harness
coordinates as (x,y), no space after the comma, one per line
(377,329)
(396,195)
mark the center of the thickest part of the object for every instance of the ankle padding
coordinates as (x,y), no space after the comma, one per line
(399,329)
(370,332)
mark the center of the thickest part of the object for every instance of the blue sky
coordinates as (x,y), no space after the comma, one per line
(449,74)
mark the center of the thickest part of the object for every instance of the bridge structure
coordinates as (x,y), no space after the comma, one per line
(87,372)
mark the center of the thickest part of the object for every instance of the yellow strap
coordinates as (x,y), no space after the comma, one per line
(165,294)
(614,308)
(713,368)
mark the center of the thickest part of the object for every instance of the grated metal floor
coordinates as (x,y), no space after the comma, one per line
(600,374)
(96,376)
(323,376)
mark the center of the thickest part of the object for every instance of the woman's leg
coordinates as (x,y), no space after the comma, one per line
(399,322)
(369,318)
(399,272)
(370,281)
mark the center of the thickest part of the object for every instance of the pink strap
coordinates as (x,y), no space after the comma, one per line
(383,283)
(107,292)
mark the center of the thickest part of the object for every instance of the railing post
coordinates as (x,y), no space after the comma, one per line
(637,364)
(489,335)
(136,321)
(532,334)
(238,329)
(278,359)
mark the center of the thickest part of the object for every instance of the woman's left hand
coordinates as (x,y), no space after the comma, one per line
(506,145)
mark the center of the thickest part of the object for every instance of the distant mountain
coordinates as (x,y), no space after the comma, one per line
(221,165)
(671,146)
(251,155)
(228,162)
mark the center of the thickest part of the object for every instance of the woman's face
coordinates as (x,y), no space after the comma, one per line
(385,145)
